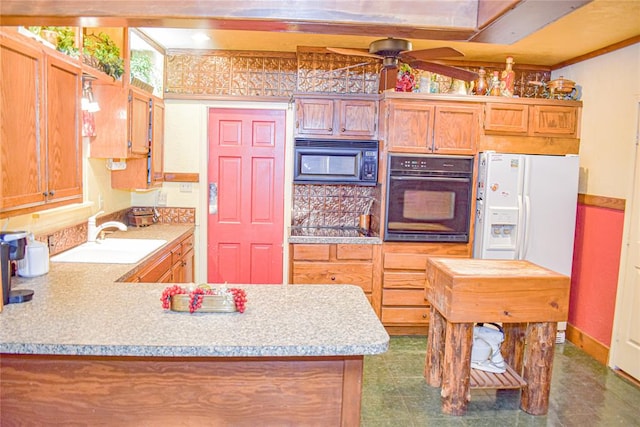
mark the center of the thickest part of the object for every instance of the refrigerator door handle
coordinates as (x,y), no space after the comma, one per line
(526,232)
(520,231)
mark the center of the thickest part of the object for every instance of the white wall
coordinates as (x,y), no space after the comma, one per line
(610,92)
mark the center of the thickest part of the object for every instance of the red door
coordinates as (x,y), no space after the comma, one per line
(245,221)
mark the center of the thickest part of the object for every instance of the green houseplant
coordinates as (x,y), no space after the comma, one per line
(64,40)
(105,51)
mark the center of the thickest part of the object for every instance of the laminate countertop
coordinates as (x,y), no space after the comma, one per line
(82,309)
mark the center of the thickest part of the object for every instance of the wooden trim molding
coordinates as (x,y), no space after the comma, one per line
(593,348)
(602,202)
(181,177)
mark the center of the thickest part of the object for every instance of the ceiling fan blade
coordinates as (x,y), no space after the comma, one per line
(388,78)
(445,70)
(435,53)
(352,52)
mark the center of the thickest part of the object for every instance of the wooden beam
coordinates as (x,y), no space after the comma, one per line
(181,177)
(526,18)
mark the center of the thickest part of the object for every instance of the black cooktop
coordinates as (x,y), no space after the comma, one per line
(330,231)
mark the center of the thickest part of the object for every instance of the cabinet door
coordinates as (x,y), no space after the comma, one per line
(64,143)
(357,117)
(139,122)
(554,120)
(22,134)
(409,127)
(506,119)
(314,117)
(456,129)
(157,143)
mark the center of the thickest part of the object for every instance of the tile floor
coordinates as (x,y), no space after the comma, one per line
(584,393)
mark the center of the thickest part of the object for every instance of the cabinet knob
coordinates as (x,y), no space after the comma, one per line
(333,277)
(342,130)
(52,193)
(330,129)
(424,315)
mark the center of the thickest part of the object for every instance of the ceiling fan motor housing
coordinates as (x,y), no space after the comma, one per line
(389,48)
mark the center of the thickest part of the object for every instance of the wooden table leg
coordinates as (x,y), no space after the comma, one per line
(456,368)
(512,347)
(538,364)
(435,349)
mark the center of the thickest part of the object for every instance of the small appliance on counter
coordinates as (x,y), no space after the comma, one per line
(142,217)
(13,249)
(36,259)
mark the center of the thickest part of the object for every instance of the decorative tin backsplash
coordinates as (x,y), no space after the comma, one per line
(333,205)
(232,73)
(69,237)
(310,69)
(323,71)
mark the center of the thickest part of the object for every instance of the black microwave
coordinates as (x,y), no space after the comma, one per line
(335,162)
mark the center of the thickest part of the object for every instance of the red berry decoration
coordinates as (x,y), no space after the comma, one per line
(196,296)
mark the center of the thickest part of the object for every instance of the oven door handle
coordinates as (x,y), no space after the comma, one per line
(429,178)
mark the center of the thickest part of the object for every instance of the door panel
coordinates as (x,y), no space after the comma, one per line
(246,161)
(625,347)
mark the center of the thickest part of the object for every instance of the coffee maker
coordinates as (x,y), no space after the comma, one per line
(12,248)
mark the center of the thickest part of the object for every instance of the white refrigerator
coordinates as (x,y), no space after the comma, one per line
(526,209)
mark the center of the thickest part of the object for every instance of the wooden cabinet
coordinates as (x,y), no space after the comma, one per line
(145,172)
(431,127)
(348,118)
(41,157)
(531,126)
(533,120)
(336,264)
(404,308)
(173,264)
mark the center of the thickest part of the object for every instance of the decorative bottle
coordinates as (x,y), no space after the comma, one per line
(494,86)
(480,88)
(508,78)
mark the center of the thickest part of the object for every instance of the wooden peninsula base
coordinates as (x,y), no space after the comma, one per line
(46,390)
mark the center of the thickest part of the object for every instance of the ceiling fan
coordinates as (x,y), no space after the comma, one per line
(392,51)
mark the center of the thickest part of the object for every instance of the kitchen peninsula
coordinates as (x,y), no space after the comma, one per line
(91,350)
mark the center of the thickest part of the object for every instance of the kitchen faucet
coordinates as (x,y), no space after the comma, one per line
(93,230)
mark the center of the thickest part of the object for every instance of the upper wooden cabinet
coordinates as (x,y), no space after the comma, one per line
(349,118)
(532,120)
(122,124)
(40,159)
(418,126)
(145,172)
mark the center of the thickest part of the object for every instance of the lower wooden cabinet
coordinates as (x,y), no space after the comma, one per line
(174,264)
(338,264)
(404,308)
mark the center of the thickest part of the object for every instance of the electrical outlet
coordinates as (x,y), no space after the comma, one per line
(186,187)
(162,198)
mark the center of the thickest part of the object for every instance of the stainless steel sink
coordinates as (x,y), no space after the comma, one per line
(110,251)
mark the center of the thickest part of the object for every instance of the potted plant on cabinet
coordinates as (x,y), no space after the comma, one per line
(101,52)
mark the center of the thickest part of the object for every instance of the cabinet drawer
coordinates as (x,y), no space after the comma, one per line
(411,315)
(156,270)
(400,279)
(187,244)
(311,252)
(364,252)
(405,261)
(403,297)
(176,253)
(359,274)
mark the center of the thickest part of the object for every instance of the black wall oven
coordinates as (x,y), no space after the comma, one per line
(428,198)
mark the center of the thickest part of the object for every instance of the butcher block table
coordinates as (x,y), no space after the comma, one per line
(527,299)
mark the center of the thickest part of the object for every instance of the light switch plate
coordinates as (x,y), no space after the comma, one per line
(186,187)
